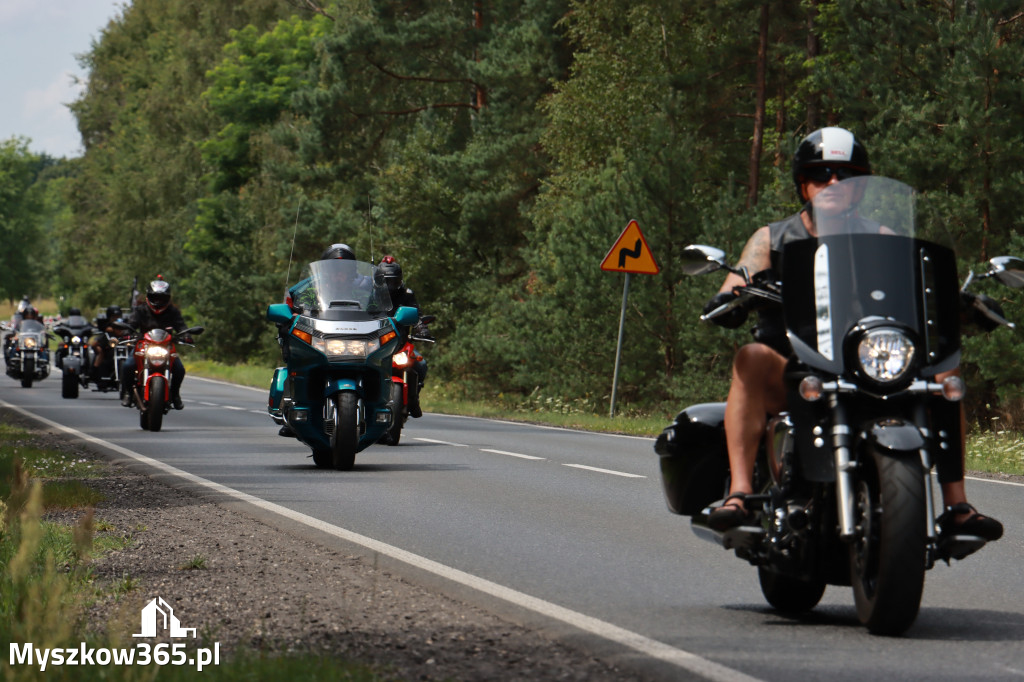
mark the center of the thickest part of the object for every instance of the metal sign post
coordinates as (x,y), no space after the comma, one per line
(618,347)
(628,254)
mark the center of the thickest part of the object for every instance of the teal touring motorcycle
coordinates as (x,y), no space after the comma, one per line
(335,392)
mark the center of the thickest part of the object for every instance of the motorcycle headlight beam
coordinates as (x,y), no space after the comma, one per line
(30,343)
(157,355)
(342,347)
(885,355)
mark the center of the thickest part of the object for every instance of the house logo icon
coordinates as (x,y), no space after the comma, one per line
(158,615)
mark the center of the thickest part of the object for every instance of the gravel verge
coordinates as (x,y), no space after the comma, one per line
(264,588)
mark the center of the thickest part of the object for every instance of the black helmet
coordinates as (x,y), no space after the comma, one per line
(158,295)
(113,312)
(75,311)
(392,273)
(835,148)
(342,251)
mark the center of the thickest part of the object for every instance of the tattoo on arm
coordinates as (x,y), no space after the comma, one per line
(756,254)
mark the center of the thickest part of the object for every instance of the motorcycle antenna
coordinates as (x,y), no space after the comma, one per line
(295,229)
(369,219)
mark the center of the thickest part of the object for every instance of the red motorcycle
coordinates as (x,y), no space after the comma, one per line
(155,353)
(405,382)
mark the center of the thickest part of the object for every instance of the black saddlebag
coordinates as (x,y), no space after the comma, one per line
(694,461)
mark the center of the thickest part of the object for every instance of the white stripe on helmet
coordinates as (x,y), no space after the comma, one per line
(836,144)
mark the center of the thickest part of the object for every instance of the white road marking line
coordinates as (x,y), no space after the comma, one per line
(604,471)
(510,454)
(232,407)
(203,402)
(635,641)
(441,442)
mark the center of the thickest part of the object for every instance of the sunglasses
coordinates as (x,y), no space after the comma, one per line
(825,173)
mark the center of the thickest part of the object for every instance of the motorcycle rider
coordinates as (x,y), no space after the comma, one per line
(156,313)
(402,295)
(103,355)
(822,159)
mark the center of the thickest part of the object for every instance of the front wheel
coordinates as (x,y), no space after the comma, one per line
(153,415)
(888,554)
(69,384)
(394,433)
(345,435)
(28,371)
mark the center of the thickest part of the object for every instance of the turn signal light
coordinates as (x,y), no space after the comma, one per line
(811,388)
(387,337)
(305,336)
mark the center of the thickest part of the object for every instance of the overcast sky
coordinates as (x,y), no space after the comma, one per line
(39,41)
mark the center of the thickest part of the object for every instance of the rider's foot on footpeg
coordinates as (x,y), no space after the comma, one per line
(177,403)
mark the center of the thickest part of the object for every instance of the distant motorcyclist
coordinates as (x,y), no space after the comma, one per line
(74,325)
(103,356)
(156,313)
(402,295)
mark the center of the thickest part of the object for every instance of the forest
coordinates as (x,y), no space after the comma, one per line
(497,149)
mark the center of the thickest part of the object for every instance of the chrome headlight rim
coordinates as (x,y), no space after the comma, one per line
(885,356)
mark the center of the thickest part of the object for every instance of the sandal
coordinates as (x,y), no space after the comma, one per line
(976,523)
(730,514)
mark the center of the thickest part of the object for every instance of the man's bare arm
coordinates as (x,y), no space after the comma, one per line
(756,257)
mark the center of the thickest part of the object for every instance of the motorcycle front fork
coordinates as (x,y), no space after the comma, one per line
(845,467)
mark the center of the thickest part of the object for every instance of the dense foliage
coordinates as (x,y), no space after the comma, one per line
(498,148)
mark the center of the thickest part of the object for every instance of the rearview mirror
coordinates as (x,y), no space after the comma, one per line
(700,260)
(407,316)
(279,313)
(1009,270)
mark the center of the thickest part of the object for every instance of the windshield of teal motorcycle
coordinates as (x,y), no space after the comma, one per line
(871,204)
(338,285)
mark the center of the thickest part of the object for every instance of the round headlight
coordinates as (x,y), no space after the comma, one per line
(30,342)
(885,355)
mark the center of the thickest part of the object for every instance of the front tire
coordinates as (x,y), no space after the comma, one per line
(345,438)
(28,371)
(789,594)
(69,384)
(155,404)
(888,555)
(394,433)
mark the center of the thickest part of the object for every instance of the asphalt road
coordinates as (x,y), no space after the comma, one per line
(571,529)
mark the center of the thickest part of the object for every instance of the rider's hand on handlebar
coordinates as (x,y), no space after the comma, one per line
(731,319)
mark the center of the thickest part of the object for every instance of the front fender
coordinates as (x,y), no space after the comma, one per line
(338,385)
(895,436)
(72,364)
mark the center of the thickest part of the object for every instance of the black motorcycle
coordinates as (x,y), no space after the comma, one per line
(72,356)
(843,491)
(27,352)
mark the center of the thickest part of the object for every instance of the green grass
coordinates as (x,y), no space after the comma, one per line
(46,580)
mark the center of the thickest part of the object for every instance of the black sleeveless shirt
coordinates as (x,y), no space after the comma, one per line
(771,329)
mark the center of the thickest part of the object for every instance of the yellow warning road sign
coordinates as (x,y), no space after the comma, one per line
(630,253)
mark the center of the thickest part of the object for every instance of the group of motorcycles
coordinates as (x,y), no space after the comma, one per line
(88,354)
(349,379)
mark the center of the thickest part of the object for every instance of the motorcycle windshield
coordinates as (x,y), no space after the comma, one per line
(880,257)
(337,289)
(31,327)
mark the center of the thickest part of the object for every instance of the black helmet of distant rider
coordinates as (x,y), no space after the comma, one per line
(342,251)
(158,295)
(391,271)
(827,151)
